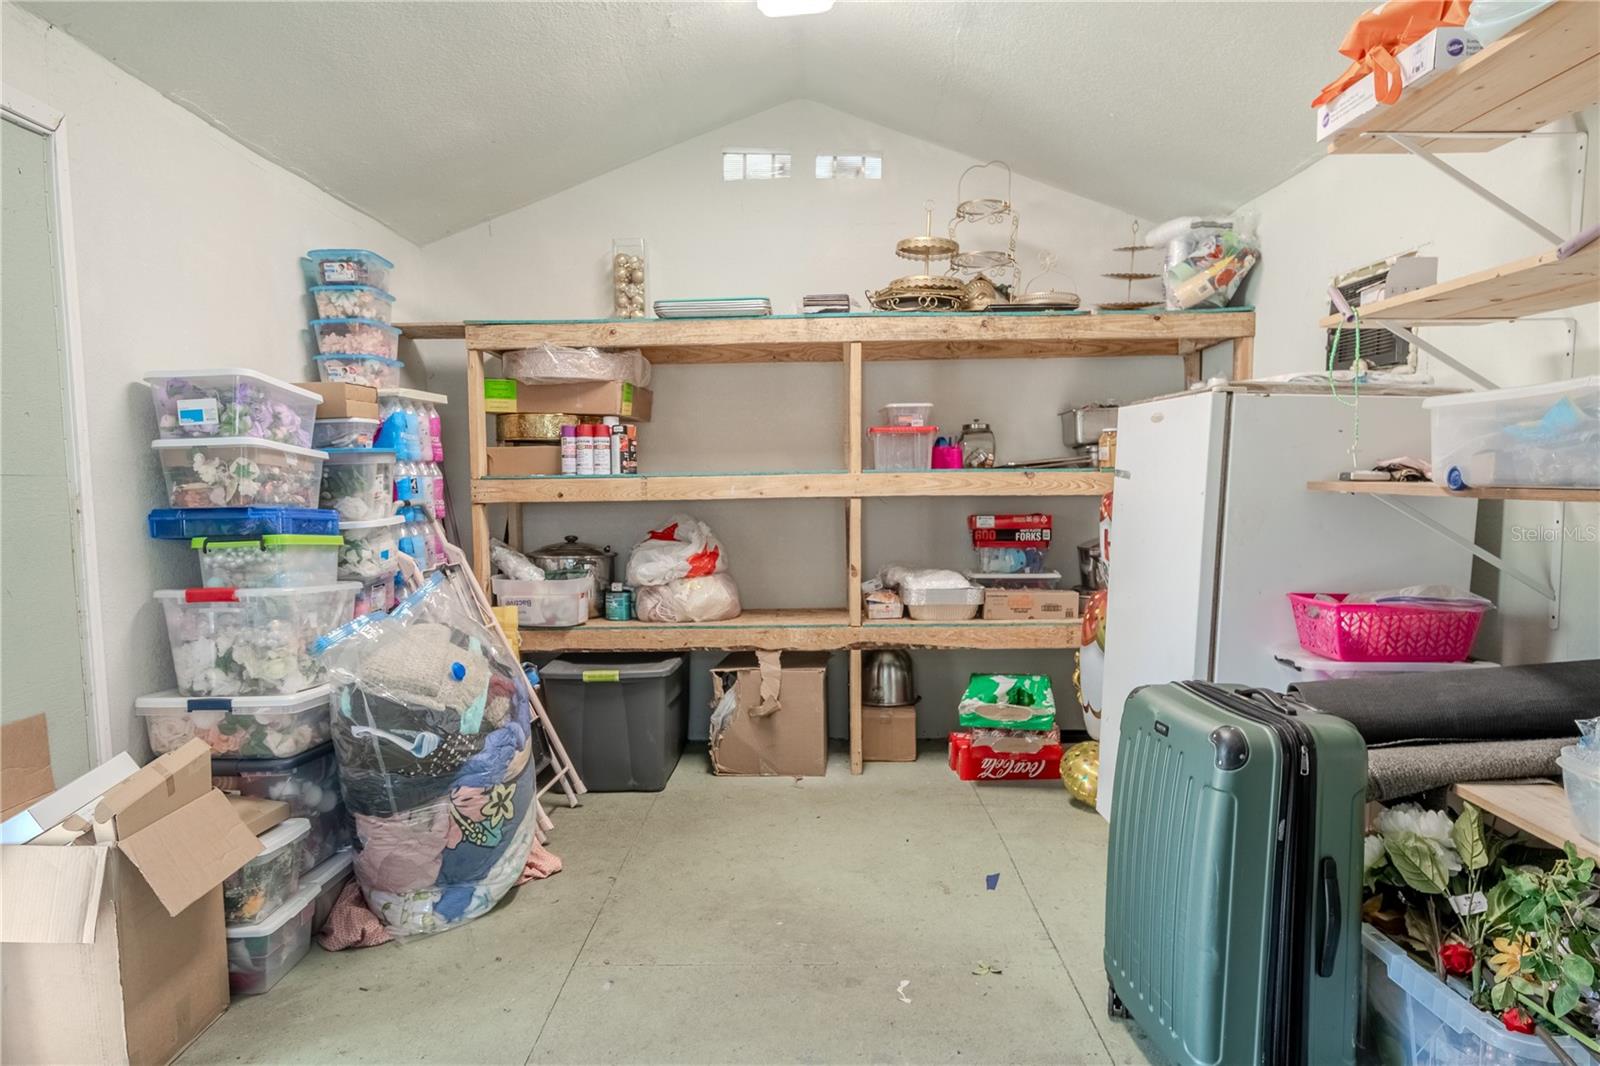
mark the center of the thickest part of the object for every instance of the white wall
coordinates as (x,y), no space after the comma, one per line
(1347,210)
(188,248)
(782,239)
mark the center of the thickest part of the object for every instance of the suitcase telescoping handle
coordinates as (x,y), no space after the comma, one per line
(1330,918)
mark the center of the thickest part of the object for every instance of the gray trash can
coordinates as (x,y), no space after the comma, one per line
(621,717)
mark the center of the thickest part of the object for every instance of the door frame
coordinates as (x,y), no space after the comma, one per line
(36,117)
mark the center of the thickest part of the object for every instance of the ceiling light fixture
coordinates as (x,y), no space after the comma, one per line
(778,9)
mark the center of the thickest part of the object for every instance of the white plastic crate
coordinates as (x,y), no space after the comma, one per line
(1540,435)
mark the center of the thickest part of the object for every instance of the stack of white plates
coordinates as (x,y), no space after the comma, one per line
(731,307)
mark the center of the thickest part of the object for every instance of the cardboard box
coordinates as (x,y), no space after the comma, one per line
(340,400)
(525,459)
(889,734)
(1433,54)
(114,951)
(774,720)
(1044,605)
(505,396)
(257,814)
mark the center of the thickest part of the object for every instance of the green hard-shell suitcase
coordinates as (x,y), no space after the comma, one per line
(1233,878)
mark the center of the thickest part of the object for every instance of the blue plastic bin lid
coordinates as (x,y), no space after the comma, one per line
(186,523)
(374,323)
(320,254)
(384,359)
(381,294)
(231,767)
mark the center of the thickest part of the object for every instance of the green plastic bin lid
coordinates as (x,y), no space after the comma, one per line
(269,541)
(610,668)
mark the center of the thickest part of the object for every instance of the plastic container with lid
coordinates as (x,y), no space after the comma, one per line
(942,605)
(1540,435)
(356,336)
(277,560)
(308,783)
(251,642)
(373,371)
(261,885)
(358,483)
(1013,558)
(186,523)
(231,402)
(371,548)
(243,727)
(1580,777)
(353,301)
(560,601)
(329,879)
(349,266)
(239,472)
(905,414)
(260,953)
(902,447)
(1042,579)
(332,433)
(622,717)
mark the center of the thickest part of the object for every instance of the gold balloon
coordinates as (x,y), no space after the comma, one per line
(1080,771)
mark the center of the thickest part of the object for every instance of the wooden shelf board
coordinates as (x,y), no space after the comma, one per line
(798,630)
(883,337)
(1530,286)
(790,486)
(1539,809)
(1544,69)
(432,331)
(1429,489)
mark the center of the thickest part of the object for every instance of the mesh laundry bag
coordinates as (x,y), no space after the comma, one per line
(435,742)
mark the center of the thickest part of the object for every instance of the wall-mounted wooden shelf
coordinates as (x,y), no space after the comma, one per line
(1544,69)
(652,488)
(1528,286)
(1428,489)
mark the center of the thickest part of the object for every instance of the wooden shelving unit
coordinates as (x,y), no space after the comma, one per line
(1428,489)
(853,341)
(1544,69)
(1539,809)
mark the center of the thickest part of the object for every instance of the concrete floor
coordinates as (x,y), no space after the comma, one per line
(744,921)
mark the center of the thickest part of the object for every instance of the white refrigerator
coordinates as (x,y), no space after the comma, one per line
(1213,526)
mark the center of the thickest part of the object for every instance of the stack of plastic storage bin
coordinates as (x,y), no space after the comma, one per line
(1008,729)
(243,487)
(356,342)
(1011,551)
(904,441)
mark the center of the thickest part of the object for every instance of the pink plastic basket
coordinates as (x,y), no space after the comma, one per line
(1384,632)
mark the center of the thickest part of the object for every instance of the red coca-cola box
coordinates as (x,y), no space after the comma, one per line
(982,763)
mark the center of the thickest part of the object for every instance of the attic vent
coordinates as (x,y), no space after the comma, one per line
(755,166)
(850,166)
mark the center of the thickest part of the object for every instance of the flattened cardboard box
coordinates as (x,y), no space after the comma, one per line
(777,722)
(1046,605)
(619,398)
(114,952)
(341,400)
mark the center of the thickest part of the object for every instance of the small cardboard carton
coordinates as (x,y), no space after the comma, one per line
(1050,605)
(769,715)
(114,950)
(889,734)
(524,459)
(619,398)
(341,400)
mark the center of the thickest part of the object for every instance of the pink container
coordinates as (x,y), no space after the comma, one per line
(1384,632)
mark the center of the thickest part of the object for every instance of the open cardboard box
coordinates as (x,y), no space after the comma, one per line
(113,945)
(775,720)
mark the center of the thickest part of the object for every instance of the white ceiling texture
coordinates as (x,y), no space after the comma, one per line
(434,116)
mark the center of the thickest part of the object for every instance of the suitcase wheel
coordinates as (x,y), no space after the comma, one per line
(1114,1007)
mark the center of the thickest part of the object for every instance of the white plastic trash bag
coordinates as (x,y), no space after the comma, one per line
(684,547)
(714,598)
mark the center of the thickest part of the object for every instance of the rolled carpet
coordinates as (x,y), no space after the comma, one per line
(1394,773)
(1505,703)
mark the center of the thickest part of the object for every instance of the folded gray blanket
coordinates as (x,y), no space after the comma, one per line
(1397,772)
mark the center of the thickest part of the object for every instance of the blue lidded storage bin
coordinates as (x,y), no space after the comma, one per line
(349,266)
(353,301)
(186,523)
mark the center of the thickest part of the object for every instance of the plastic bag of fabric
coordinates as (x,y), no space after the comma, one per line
(433,731)
(552,364)
(713,598)
(910,579)
(684,547)
(512,563)
(1206,260)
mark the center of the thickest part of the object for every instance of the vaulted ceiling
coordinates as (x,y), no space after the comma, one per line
(434,116)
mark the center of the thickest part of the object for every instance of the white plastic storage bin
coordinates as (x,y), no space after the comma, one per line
(371,548)
(231,402)
(353,301)
(308,783)
(549,604)
(1018,557)
(942,605)
(251,642)
(344,432)
(239,472)
(260,953)
(358,483)
(905,414)
(245,727)
(1580,777)
(356,336)
(329,879)
(373,371)
(1539,435)
(349,266)
(1411,1018)
(266,882)
(278,560)
(902,447)
(1044,579)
